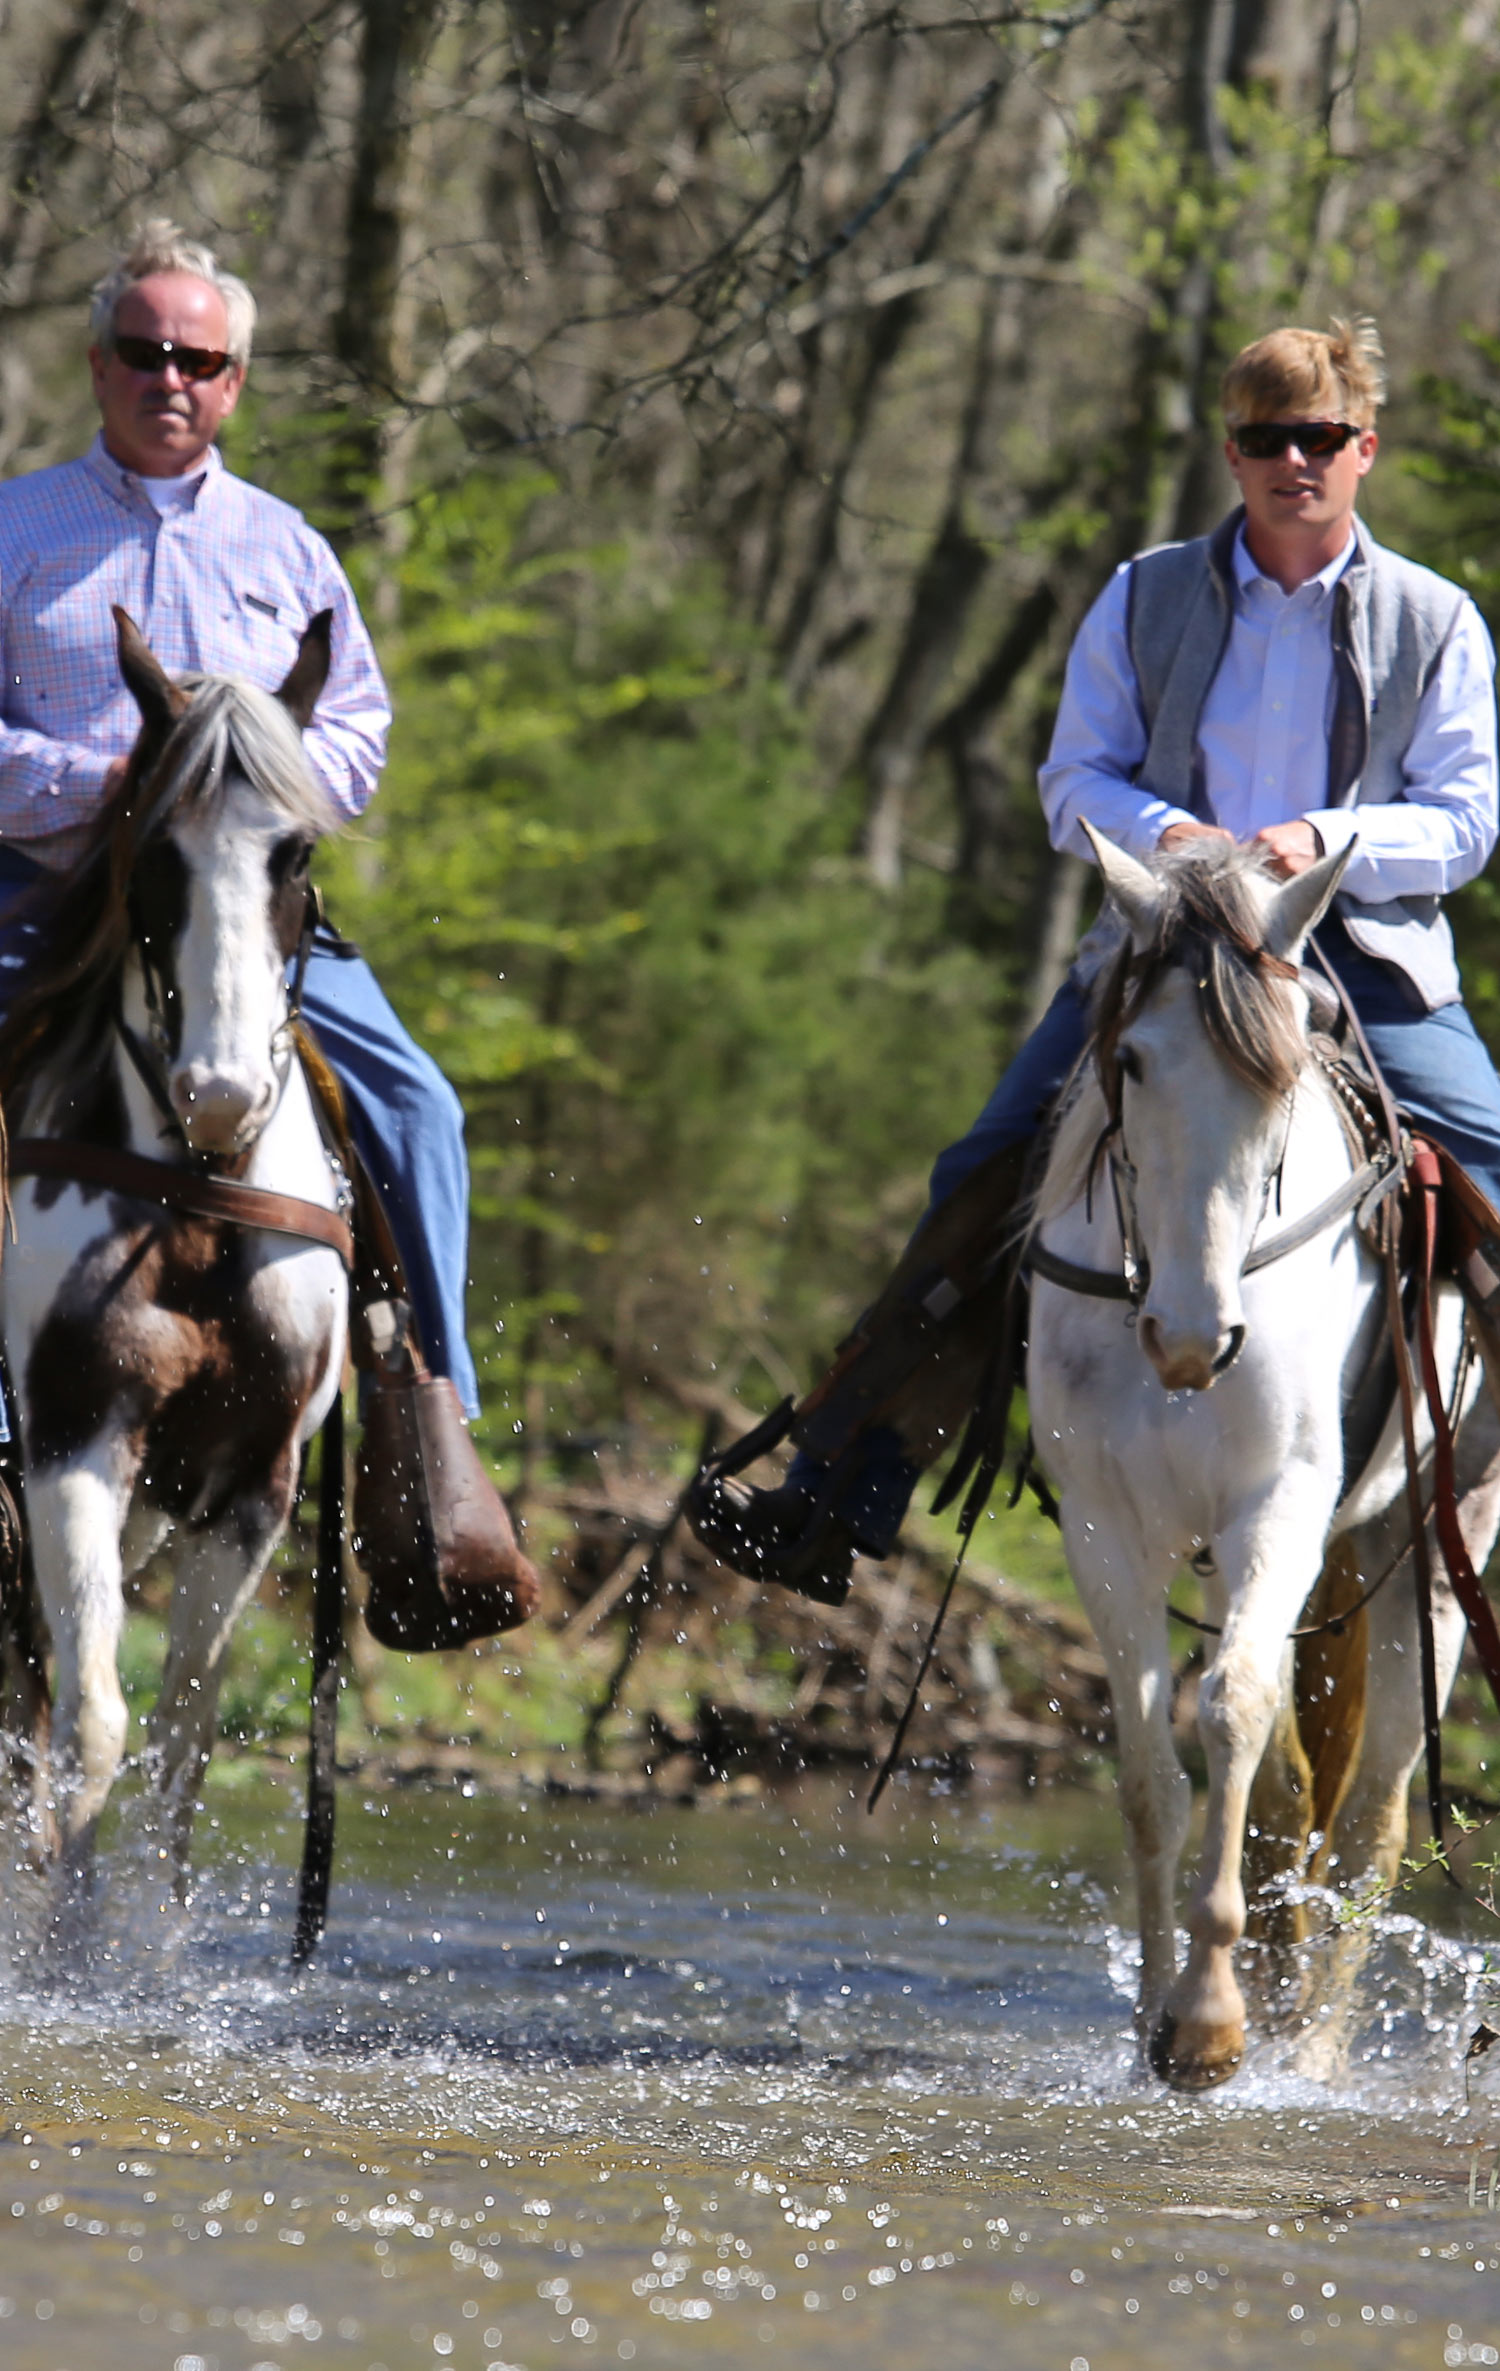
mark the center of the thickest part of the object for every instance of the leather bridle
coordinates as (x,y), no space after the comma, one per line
(193,1186)
(1363,1191)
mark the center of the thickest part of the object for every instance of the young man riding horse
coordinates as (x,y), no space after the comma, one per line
(222,579)
(1286,683)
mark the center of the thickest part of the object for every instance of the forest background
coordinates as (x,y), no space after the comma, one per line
(727,412)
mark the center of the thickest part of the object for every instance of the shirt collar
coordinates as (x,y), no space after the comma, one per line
(1247,574)
(125,485)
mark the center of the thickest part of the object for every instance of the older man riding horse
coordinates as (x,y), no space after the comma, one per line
(168,1366)
(102,895)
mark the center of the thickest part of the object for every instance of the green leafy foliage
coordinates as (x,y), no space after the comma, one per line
(706,1067)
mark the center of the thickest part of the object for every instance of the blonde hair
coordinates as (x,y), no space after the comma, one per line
(1308,374)
(157,245)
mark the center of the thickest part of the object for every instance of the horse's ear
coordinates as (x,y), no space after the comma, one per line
(300,693)
(1136,892)
(1298,905)
(159,699)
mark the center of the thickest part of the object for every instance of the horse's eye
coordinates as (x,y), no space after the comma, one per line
(290,858)
(1130,1062)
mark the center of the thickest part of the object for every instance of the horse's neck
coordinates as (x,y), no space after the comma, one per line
(1320,1148)
(289,1155)
(1071,1178)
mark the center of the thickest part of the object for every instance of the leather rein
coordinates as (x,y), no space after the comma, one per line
(196,1192)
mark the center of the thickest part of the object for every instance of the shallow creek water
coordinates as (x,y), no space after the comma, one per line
(576,2085)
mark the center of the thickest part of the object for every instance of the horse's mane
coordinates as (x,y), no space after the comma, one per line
(1208,925)
(83,915)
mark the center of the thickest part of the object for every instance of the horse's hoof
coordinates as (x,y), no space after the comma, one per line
(1195,2064)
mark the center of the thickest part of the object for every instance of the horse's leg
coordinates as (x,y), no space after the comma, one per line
(26,1716)
(1364,1854)
(1370,1833)
(216,1573)
(1366,1827)
(1267,1573)
(1277,1829)
(1370,1837)
(1303,1776)
(76,1512)
(1126,1610)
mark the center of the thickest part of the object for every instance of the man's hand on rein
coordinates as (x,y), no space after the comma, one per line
(1290,847)
(1177,835)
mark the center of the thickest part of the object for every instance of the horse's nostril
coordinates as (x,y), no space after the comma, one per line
(219,1111)
(1184,1364)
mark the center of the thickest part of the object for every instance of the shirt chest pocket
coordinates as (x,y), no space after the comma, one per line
(262,623)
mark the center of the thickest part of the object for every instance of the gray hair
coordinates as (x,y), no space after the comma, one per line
(159,246)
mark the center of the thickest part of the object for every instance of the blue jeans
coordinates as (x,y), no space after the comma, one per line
(406,1121)
(1436,1066)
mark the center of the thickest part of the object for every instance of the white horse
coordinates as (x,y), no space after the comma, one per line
(1206,1423)
(169,1369)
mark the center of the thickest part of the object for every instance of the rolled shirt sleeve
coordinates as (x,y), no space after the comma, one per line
(1441,833)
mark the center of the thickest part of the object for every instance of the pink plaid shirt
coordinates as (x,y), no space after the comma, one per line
(224,585)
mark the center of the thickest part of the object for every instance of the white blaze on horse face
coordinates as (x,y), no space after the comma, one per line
(231,973)
(1204,1144)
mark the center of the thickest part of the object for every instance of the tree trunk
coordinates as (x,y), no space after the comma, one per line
(1067,881)
(40,140)
(942,598)
(983,788)
(877,350)
(396,39)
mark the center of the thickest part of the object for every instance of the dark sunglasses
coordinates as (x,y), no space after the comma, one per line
(154,354)
(1267,440)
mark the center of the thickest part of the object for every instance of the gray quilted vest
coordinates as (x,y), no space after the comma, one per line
(1391,621)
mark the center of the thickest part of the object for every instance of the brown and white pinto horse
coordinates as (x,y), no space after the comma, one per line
(168,1368)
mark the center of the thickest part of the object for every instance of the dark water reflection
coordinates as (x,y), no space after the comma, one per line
(697,2086)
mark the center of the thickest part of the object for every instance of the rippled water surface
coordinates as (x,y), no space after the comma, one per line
(704,2086)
